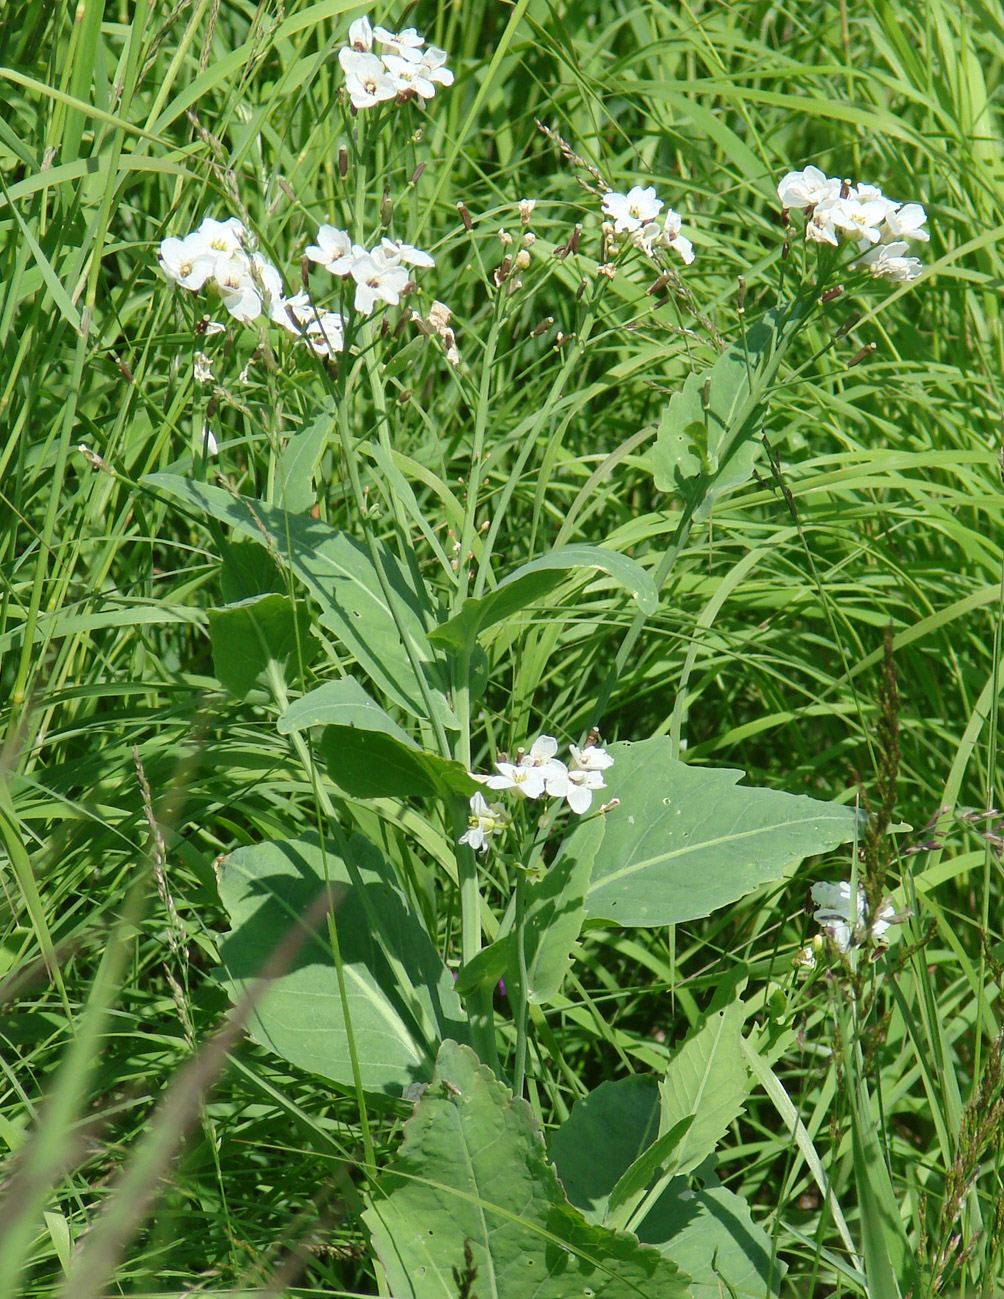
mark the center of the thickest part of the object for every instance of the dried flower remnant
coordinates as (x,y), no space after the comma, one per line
(838,212)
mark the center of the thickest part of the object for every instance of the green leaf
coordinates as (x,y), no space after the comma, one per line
(707,1078)
(374,764)
(606,1132)
(710,1233)
(705,443)
(661,1155)
(339,573)
(473,1169)
(536,579)
(300,459)
(248,636)
(339,703)
(555,910)
(686,840)
(400,995)
(248,570)
(888,1257)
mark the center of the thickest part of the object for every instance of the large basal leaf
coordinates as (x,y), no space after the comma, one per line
(706,1078)
(687,840)
(538,578)
(473,1169)
(398,1016)
(248,636)
(710,1233)
(709,432)
(340,574)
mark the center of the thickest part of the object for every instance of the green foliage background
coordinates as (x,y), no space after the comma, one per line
(121,124)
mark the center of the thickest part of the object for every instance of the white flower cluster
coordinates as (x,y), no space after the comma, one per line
(535,773)
(216,256)
(402,70)
(380,274)
(635,217)
(837,212)
(844,930)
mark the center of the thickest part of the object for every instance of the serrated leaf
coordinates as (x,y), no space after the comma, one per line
(339,703)
(246,637)
(536,579)
(472,1169)
(266,889)
(708,1079)
(340,574)
(374,764)
(687,840)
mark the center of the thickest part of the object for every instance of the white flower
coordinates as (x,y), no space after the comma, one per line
(334,250)
(820,228)
(579,792)
(366,79)
(835,919)
(669,237)
(408,76)
(395,251)
(525,207)
(886,261)
(434,67)
(377,280)
(237,287)
(325,333)
(541,757)
(591,758)
(905,223)
(222,236)
(632,210)
(202,368)
(854,217)
(206,442)
(528,782)
(361,35)
(484,821)
(188,262)
(802,189)
(406,45)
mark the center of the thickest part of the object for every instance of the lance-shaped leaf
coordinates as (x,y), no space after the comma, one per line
(709,432)
(538,578)
(687,840)
(399,994)
(473,1172)
(249,635)
(385,636)
(300,458)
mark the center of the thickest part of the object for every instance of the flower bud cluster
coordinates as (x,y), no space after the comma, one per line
(215,257)
(635,216)
(406,68)
(380,274)
(838,212)
(535,773)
